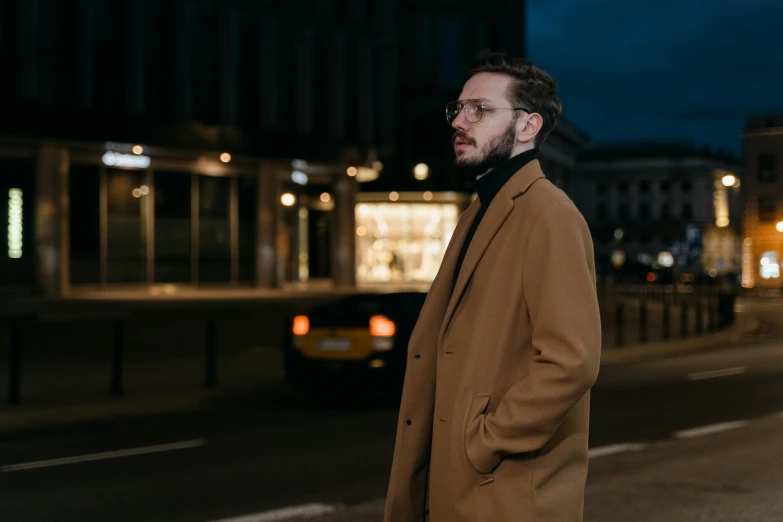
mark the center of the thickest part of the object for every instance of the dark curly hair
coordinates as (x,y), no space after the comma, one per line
(532,88)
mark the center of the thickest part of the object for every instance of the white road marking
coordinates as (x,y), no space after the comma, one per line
(288,513)
(708,430)
(716,373)
(613,449)
(103,456)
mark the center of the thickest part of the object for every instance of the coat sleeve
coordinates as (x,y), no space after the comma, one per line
(560,293)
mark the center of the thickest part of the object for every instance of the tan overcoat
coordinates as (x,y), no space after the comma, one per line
(493,421)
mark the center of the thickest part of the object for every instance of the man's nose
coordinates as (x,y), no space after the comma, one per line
(460,122)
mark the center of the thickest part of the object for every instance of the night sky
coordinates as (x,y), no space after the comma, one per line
(663,69)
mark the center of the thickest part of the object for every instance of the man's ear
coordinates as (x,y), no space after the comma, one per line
(530,128)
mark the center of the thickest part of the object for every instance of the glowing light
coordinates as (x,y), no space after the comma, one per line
(352,171)
(779,226)
(651,277)
(769,265)
(377,165)
(145,190)
(666,259)
(361,231)
(137,193)
(288,199)
(138,150)
(722,222)
(618,234)
(15,229)
(618,258)
(748,241)
(713,272)
(299,177)
(729,180)
(325,197)
(117,159)
(427,196)
(421,171)
(394,196)
(225,157)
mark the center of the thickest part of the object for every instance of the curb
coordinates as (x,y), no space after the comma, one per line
(741,327)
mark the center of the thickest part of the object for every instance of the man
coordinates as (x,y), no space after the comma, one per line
(493,422)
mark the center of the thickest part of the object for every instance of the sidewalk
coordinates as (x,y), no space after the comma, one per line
(66,371)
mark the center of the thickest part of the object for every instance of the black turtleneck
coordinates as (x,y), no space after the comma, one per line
(487,187)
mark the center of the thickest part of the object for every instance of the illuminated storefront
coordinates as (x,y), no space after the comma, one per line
(402,237)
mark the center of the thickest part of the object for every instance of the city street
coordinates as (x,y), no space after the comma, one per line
(689,439)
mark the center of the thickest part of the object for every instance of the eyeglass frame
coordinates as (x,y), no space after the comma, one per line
(481,106)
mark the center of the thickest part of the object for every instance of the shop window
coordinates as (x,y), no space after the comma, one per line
(214,247)
(769,265)
(248,210)
(402,242)
(172,226)
(85,223)
(127,200)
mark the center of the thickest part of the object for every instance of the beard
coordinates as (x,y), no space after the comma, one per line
(496,151)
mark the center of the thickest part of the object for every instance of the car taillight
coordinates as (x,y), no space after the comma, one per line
(301,325)
(381,326)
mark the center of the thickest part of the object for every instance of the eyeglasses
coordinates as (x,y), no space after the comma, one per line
(474,110)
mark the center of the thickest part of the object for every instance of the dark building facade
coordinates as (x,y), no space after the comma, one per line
(209,142)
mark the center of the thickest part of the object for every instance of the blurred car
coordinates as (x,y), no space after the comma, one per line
(359,340)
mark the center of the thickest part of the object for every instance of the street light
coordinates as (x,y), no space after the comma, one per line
(729,180)
(779,226)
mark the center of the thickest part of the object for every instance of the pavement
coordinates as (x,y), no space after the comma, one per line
(687,438)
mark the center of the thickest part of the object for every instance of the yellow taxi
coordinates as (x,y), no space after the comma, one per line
(359,339)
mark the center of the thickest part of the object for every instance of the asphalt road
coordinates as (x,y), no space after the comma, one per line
(261,454)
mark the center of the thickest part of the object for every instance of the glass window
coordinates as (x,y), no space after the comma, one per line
(687,211)
(127,226)
(767,208)
(601,188)
(665,211)
(172,227)
(644,211)
(214,259)
(248,207)
(85,223)
(623,187)
(767,168)
(769,266)
(601,211)
(319,243)
(644,187)
(402,242)
(622,211)
(686,186)
(664,186)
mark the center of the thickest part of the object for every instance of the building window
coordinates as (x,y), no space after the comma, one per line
(85,223)
(644,212)
(686,186)
(214,239)
(687,211)
(767,168)
(623,188)
(127,200)
(665,186)
(623,212)
(665,211)
(248,210)
(601,188)
(769,267)
(601,211)
(767,208)
(644,187)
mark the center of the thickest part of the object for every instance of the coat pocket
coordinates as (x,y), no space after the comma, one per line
(478,407)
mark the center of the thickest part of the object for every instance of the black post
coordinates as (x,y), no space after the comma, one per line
(117,360)
(666,325)
(210,370)
(619,325)
(699,315)
(711,324)
(643,319)
(683,318)
(15,368)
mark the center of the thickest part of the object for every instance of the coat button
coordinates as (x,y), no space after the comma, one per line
(418,356)
(408,422)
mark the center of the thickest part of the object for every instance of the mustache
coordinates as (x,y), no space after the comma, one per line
(464,137)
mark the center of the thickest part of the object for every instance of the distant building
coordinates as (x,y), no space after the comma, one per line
(665,207)
(763,210)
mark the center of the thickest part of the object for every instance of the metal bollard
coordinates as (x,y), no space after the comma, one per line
(666,320)
(699,316)
(619,325)
(210,370)
(117,360)
(683,318)
(643,319)
(15,366)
